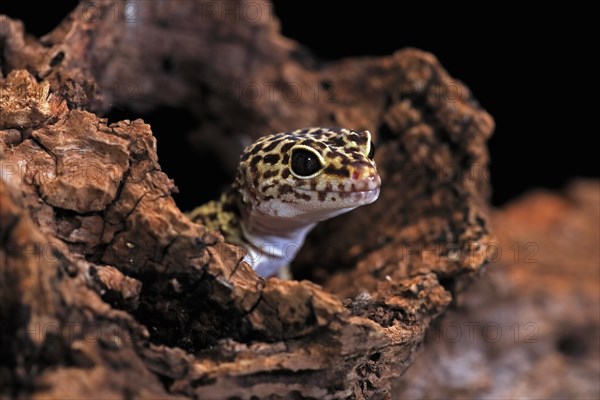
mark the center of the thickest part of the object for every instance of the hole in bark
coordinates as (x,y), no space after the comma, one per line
(57,59)
(572,345)
(448,283)
(326,84)
(199,176)
(375,356)
(167,65)
(385,133)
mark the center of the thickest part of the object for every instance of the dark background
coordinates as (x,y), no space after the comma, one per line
(521,66)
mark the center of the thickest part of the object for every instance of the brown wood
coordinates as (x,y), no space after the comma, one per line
(107,290)
(534,319)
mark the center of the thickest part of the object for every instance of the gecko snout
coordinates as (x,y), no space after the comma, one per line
(366,183)
(365,178)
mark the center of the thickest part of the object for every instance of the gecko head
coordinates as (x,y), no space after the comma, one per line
(311,174)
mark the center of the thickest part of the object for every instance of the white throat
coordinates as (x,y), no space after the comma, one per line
(274,241)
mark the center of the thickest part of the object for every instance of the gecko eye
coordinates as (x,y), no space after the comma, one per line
(305,163)
(371,154)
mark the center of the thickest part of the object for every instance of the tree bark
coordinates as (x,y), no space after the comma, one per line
(534,319)
(108,290)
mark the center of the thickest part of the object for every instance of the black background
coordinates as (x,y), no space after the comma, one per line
(522,66)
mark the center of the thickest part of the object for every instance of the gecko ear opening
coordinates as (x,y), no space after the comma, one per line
(371,154)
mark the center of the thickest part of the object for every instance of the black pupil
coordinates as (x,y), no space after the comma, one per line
(305,163)
(371,151)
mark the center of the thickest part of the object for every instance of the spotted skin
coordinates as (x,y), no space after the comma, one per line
(270,207)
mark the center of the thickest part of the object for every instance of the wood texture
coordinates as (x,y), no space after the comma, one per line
(107,290)
(530,327)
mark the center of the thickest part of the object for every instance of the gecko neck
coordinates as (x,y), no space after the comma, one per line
(273,242)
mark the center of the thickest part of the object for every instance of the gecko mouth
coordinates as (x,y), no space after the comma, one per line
(366,196)
(362,191)
(341,192)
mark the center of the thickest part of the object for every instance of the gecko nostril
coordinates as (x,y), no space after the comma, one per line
(365,183)
(373,181)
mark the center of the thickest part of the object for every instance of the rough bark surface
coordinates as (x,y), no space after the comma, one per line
(107,290)
(530,327)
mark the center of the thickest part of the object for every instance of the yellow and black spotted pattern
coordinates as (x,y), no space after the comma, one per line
(295,174)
